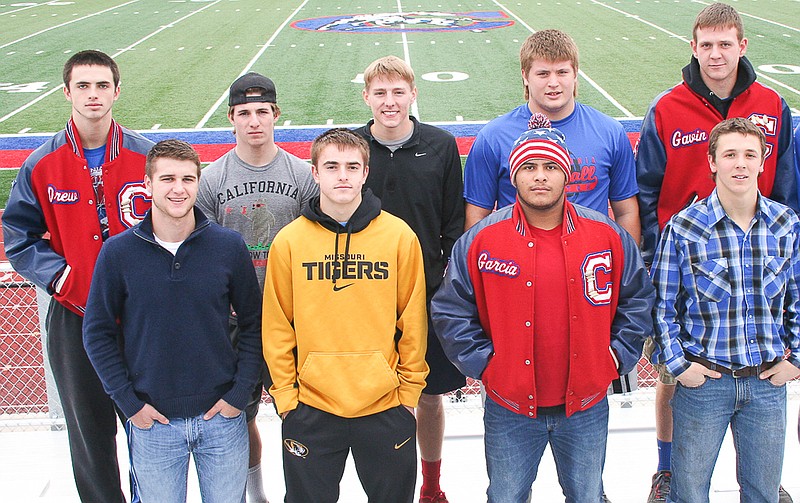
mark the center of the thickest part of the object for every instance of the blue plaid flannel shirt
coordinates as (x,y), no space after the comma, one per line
(724,294)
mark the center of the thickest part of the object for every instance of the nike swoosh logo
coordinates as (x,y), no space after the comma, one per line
(337,288)
(404,442)
(420,154)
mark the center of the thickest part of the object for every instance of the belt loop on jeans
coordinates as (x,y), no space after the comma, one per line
(752,371)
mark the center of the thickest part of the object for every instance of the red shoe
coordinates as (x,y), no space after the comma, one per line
(439,497)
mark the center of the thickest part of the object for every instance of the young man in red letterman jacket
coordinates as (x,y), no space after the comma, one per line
(82,186)
(672,167)
(546,302)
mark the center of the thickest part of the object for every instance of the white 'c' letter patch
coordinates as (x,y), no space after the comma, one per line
(132,203)
(595,293)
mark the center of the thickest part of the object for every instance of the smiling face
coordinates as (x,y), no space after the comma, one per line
(173,185)
(736,164)
(390,100)
(92,93)
(552,87)
(718,51)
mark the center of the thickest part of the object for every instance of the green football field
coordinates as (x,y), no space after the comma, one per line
(178,57)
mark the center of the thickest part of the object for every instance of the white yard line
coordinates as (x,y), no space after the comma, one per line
(60,86)
(686,40)
(606,95)
(636,17)
(24,8)
(166,26)
(591,82)
(519,19)
(30,103)
(769,21)
(778,83)
(249,65)
(66,23)
(407,57)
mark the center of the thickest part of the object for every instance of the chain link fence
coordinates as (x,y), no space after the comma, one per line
(27,394)
(22,381)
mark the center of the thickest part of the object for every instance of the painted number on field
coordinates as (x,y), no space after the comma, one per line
(780,69)
(445,76)
(430,77)
(30,87)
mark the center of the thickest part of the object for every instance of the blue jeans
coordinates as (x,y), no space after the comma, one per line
(161,458)
(515,443)
(756,413)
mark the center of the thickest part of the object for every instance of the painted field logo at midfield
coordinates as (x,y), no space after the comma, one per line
(408,21)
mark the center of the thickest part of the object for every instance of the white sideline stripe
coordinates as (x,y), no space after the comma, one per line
(591,82)
(51,91)
(24,8)
(66,23)
(249,65)
(407,57)
(768,21)
(684,39)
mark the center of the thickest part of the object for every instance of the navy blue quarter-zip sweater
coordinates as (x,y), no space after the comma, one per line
(171,314)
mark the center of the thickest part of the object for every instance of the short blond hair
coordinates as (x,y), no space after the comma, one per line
(390,67)
(550,46)
(718,15)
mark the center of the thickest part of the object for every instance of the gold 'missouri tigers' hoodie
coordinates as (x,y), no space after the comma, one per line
(344,321)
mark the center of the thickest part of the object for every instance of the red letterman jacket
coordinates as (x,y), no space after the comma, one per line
(53,193)
(672,167)
(484,310)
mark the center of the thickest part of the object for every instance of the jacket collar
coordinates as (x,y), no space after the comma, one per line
(522,227)
(715,212)
(414,140)
(113,142)
(145,228)
(693,78)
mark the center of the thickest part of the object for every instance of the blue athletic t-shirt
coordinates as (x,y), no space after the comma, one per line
(94,160)
(604,166)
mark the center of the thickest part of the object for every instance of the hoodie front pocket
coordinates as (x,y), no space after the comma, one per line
(350,380)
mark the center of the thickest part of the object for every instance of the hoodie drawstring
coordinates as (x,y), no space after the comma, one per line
(343,262)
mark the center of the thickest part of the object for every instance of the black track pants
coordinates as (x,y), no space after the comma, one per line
(89,412)
(316,444)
